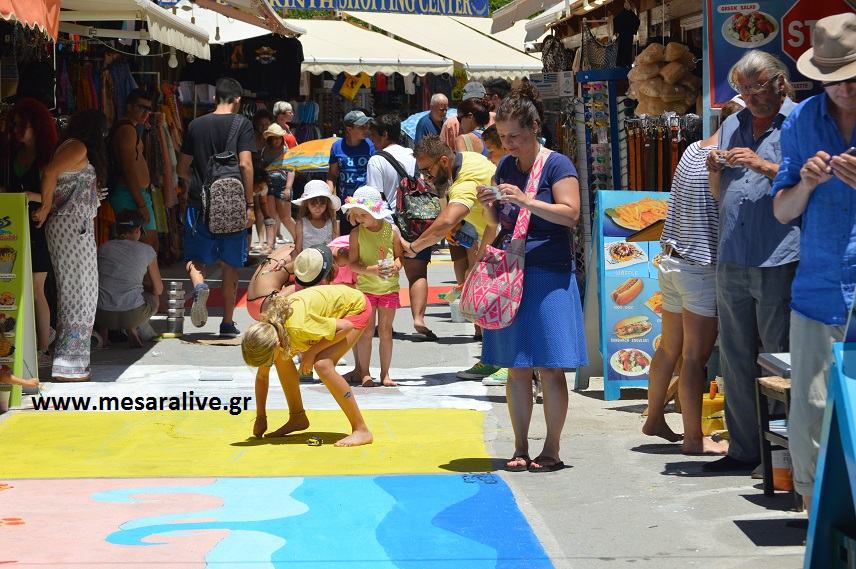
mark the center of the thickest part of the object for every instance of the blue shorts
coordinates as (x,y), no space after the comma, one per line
(203,247)
(122,199)
(466,235)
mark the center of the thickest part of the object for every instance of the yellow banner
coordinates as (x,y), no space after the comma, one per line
(17,318)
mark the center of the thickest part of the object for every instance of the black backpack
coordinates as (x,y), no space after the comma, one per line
(418,206)
(224,204)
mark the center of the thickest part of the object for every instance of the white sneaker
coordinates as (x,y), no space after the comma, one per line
(199,309)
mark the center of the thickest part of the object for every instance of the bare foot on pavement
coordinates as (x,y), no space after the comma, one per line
(661,430)
(356,438)
(296,422)
(704,446)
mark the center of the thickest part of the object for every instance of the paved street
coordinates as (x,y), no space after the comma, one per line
(625,500)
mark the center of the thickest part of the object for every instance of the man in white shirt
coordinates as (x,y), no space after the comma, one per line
(385,133)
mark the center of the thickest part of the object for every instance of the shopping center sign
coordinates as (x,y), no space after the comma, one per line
(431,7)
(781,28)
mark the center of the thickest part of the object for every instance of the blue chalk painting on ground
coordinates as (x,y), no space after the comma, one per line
(377,522)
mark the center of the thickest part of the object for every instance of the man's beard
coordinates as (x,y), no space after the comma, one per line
(441,181)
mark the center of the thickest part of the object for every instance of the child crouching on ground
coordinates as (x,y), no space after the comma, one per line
(375,255)
(321,324)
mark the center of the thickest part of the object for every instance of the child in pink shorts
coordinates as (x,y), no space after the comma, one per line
(342,273)
(375,257)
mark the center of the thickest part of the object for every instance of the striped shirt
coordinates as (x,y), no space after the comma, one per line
(692,224)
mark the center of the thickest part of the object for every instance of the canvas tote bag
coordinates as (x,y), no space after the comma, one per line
(494,288)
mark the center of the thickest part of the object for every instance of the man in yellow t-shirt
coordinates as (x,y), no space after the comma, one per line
(463,217)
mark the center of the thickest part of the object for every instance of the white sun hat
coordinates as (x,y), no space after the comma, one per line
(368,199)
(318,189)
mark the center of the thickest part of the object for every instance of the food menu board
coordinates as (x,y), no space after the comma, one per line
(783,28)
(630,298)
(17,321)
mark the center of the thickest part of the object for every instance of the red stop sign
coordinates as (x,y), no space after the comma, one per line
(798,23)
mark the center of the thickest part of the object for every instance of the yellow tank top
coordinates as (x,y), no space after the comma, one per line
(376,245)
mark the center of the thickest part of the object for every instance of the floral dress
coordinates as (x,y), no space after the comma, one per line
(70,231)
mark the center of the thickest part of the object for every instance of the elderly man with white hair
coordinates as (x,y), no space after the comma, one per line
(430,124)
(757,255)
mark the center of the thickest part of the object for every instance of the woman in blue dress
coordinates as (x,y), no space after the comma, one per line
(547,334)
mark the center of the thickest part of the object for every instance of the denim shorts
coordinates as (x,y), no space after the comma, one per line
(202,246)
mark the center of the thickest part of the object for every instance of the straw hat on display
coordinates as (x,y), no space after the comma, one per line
(318,189)
(832,56)
(313,265)
(368,199)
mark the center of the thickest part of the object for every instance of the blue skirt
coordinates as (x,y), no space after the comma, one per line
(548,330)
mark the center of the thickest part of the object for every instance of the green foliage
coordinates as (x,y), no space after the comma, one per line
(497,4)
(310,15)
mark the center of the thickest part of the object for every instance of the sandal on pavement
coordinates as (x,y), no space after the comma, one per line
(62,379)
(537,466)
(425,331)
(518,467)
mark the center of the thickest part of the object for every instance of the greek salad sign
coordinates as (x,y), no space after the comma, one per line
(630,298)
(778,27)
(479,8)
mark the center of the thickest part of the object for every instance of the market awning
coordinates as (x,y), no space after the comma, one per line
(516,11)
(162,25)
(537,27)
(515,36)
(335,46)
(41,14)
(481,56)
(223,29)
(256,12)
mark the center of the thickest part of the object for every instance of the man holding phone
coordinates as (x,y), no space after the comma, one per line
(817,182)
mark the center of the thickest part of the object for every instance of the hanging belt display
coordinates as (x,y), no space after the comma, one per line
(654,147)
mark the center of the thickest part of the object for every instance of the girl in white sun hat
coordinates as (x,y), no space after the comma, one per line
(316,220)
(375,254)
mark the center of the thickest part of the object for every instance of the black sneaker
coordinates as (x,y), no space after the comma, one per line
(728,464)
(229,330)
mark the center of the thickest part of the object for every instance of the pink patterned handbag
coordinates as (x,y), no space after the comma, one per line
(494,288)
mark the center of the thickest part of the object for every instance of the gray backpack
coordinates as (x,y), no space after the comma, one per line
(224,204)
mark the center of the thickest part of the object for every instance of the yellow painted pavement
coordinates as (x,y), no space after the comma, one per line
(212,443)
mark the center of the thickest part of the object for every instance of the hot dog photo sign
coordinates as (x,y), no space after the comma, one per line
(630,299)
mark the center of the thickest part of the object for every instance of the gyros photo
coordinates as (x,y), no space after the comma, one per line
(632,327)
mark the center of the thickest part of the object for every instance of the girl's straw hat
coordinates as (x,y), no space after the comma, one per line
(318,189)
(368,199)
